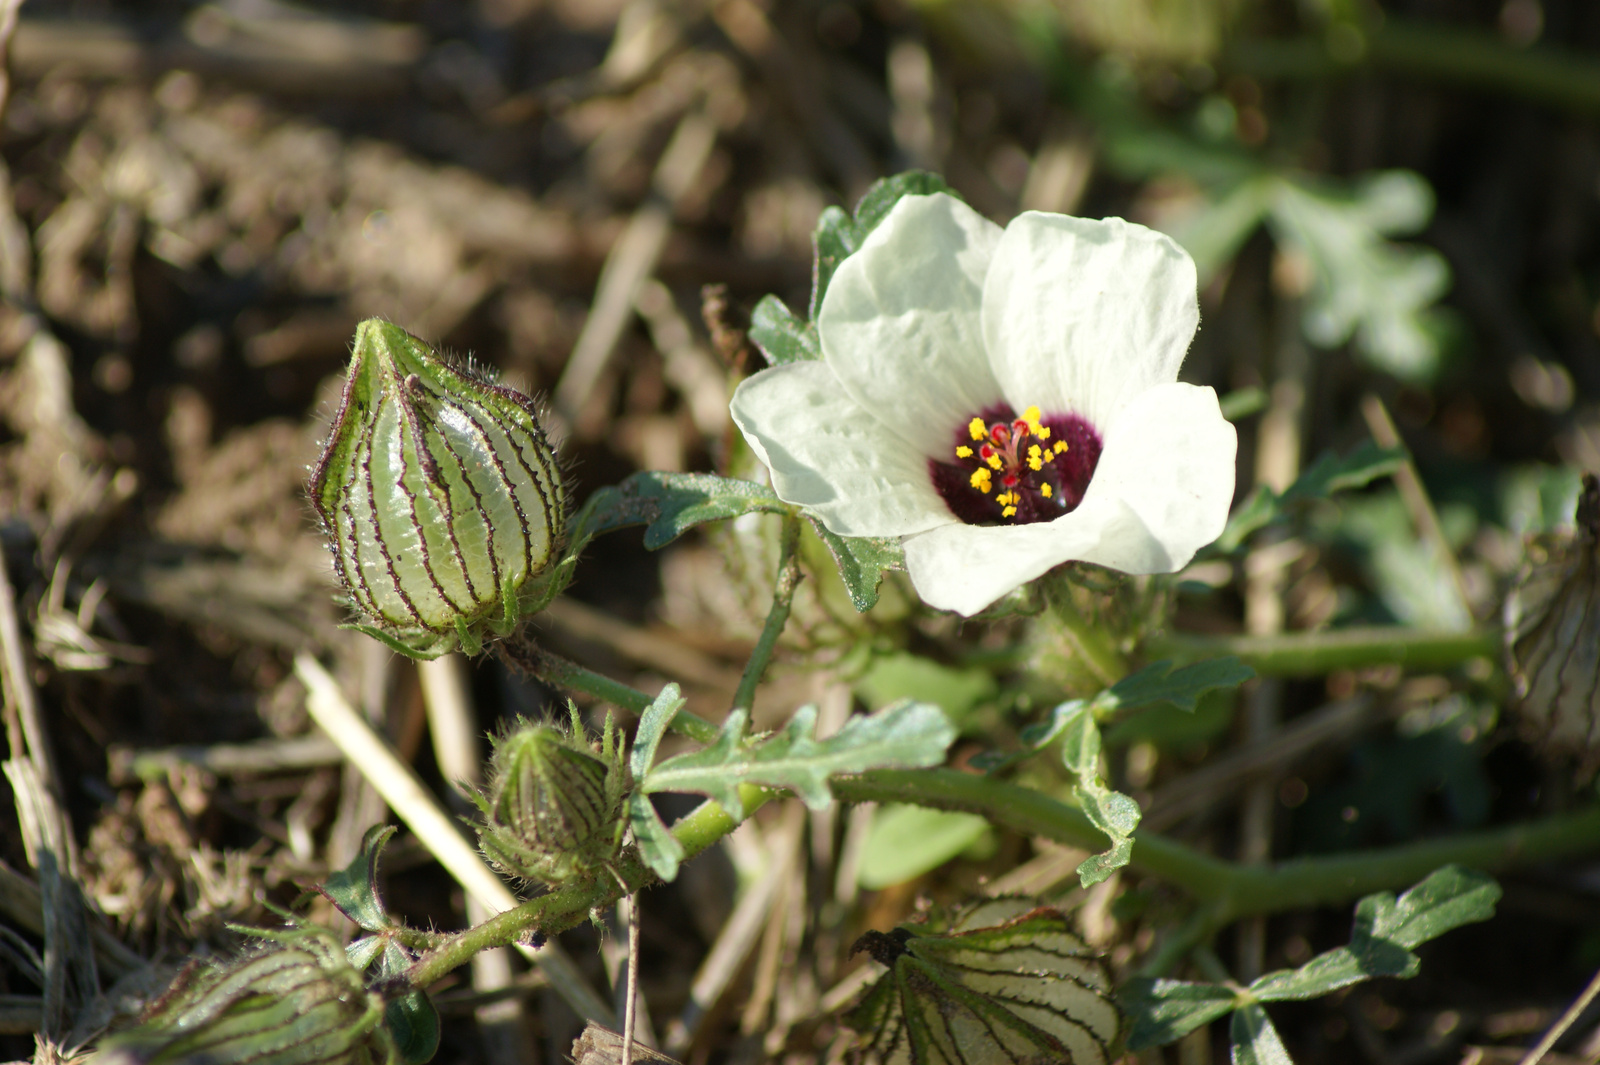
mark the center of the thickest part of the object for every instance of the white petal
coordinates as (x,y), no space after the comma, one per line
(1170,457)
(966,567)
(826,454)
(901,324)
(1082,315)
(1160,493)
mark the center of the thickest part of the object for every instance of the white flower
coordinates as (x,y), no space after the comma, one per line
(1004,400)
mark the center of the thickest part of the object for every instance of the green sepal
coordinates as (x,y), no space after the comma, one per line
(781,335)
(354,889)
(1165,1011)
(862,562)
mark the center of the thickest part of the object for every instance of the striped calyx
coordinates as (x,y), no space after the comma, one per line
(1007,983)
(441,497)
(1552,635)
(295,1000)
(553,809)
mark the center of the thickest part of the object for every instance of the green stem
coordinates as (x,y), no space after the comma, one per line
(1469,57)
(1295,654)
(523,654)
(1237,890)
(782,599)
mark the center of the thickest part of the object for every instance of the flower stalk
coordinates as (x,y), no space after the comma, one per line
(782,600)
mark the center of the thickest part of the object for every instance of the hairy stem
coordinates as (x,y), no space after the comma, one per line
(522,654)
(782,599)
(1237,890)
(1293,654)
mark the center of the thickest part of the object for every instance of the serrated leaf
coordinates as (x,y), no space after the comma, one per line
(862,562)
(658,847)
(833,240)
(1334,969)
(1164,1011)
(781,335)
(1255,1040)
(354,889)
(838,235)
(1160,683)
(1097,867)
(1331,473)
(1213,234)
(1363,286)
(880,199)
(907,735)
(1386,929)
(1111,812)
(413,1024)
(653,724)
(669,504)
(1080,738)
(1449,898)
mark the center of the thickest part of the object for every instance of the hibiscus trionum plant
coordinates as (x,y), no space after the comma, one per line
(989,409)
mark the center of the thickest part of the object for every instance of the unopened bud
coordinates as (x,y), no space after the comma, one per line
(295,1001)
(441,498)
(553,810)
(1552,632)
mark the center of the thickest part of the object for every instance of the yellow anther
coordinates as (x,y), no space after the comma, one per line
(1042,432)
(1008,511)
(1031,416)
(1035,461)
(1061,445)
(1046,491)
(963,452)
(980,480)
(994,462)
(977,428)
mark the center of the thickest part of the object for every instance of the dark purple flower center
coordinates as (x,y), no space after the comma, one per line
(1015,470)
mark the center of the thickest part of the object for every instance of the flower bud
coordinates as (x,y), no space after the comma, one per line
(296,1000)
(441,498)
(553,809)
(1552,633)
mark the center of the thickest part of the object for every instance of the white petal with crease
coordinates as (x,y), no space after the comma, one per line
(901,324)
(826,454)
(1081,315)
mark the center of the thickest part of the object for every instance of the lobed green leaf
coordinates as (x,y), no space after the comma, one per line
(669,504)
(1255,1040)
(1329,474)
(1164,1011)
(781,335)
(354,889)
(903,736)
(862,561)
(1160,683)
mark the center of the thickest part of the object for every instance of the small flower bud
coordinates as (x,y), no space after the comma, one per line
(441,498)
(1552,633)
(553,809)
(295,1000)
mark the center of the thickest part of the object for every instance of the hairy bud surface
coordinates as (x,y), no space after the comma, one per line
(441,497)
(295,1001)
(553,810)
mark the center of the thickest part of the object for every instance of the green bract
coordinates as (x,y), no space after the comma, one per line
(553,810)
(441,497)
(296,1000)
